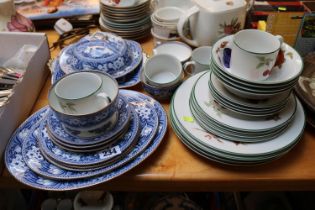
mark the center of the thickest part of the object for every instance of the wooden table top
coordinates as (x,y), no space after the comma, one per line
(174,167)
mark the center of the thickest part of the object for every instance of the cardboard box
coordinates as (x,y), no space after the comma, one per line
(25,92)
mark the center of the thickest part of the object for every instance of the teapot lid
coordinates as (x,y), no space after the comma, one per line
(220,5)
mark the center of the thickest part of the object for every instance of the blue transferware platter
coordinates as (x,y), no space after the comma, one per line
(41,165)
(96,56)
(86,139)
(79,159)
(18,168)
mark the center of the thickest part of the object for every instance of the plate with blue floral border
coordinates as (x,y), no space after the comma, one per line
(129,80)
(90,139)
(79,160)
(18,168)
(118,68)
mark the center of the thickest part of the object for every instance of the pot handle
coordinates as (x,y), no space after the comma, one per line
(180,25)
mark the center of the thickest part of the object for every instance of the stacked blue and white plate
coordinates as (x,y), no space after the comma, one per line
(235,121)
(45,153)
(104,52)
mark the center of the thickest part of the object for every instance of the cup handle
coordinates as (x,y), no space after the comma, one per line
(187,64)
(104,96)
(280,39)
(180,25)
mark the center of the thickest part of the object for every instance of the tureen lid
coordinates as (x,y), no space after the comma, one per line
(220,5)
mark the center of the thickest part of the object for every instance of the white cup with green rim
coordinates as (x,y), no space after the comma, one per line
(254,54)
(163,70)
(82,93)
(200,60)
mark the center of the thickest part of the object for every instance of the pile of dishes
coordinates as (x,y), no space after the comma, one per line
(233,125)
(103,52)
(129,19)
(69,146)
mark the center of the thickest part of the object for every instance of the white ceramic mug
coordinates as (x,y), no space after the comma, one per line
(81,93)
(254,54)
(162,70)
(200,60)
(210,20)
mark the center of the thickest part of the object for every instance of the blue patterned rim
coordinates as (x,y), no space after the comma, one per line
(68,138)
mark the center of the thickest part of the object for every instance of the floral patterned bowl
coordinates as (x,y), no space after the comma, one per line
(76,121)
(107,53)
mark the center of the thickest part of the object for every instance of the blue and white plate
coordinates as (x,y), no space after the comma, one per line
(18,168)
(132,78)
(89,160)
(96,56)
(86,139)
(129,80)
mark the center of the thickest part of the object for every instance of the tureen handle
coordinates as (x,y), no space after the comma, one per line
(180,25)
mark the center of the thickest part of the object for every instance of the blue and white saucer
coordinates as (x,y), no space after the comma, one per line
(79,160)
(86,139)
(96,56)
(18,168)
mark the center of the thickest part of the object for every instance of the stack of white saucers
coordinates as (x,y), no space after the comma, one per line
(229,137)
(128,19)
(44,153)
(103,52)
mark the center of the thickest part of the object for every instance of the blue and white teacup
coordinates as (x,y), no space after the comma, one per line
(85,100)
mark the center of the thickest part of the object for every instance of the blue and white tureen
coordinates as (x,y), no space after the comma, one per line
(101,51)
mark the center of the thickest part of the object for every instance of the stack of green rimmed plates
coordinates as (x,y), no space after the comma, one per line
(130,20)
(228,137)
(281,81)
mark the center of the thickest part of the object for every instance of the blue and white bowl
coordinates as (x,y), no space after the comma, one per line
(158,92)
(106,115)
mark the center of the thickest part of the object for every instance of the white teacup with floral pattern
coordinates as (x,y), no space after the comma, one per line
(254,54)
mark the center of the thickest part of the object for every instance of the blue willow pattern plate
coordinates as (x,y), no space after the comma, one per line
(123,65)
(129,80)
(66,137)
(73,159)
(17,167)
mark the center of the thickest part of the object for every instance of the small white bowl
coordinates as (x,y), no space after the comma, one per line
(178,49)
(162,70)
(168,14)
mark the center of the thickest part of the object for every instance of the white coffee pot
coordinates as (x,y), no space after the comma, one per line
(10,20)
(210,20)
